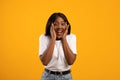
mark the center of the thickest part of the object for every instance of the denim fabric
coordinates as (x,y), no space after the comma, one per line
(48,76)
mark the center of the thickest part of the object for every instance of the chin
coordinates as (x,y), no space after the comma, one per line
(59,37)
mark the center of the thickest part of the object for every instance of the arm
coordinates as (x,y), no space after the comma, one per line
(47,55)
(69,55)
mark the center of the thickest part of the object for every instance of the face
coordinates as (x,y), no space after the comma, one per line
(59,26)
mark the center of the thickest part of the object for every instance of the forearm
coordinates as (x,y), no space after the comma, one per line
(47,55)
(69,55)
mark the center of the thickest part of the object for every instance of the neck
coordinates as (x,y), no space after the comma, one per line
(58,38)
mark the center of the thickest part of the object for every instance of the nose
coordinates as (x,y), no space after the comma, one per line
(59,26)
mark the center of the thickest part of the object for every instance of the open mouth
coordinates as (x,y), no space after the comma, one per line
(59,32)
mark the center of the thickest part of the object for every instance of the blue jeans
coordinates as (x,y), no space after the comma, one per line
(48,76)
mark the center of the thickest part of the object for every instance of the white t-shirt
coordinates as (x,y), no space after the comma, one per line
(58,61)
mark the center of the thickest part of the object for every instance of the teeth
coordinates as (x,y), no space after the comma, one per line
(59,31)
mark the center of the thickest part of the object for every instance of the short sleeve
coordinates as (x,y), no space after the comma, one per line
(72,43)
(42,44)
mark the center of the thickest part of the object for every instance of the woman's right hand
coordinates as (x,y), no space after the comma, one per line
(52,31)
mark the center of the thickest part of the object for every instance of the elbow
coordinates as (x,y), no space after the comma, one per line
(45,64)
(43,61)
(70,63)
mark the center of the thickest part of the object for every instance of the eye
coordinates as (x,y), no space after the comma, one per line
(63,24)
(55,24)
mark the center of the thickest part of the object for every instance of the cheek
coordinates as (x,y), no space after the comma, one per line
(64,28)
(55,28)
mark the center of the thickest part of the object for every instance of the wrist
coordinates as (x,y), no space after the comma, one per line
(53,39)
(63,38)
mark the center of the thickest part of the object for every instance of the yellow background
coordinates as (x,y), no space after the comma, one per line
(96,24)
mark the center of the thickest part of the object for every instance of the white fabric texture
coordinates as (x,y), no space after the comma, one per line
(58,61)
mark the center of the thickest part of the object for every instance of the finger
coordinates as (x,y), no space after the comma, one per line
(52,24)
(67,26)
(51,28)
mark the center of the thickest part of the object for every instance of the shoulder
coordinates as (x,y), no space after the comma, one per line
(71,36)
(43,37)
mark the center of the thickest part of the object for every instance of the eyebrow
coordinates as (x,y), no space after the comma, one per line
(61,21)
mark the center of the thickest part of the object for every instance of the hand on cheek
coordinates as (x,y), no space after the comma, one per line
(52,31)
(66,31)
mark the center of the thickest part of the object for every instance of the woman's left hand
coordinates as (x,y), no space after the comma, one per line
(66,31)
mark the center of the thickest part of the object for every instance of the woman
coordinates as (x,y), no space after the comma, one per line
(57,48)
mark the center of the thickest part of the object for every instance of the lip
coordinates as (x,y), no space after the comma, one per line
(59,33)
